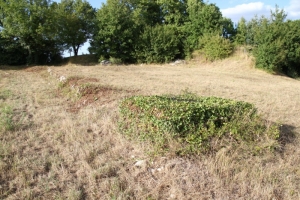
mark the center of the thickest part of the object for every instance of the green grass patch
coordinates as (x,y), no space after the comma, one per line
(188,124)
(5,94)
(6,118)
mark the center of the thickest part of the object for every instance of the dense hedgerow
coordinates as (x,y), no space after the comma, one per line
(191,124)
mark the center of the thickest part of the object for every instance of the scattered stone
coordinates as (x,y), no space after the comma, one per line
(105,62)
(62,79)
(141,163)
(178,62)
(159,169)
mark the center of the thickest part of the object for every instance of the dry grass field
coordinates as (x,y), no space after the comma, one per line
(59,143)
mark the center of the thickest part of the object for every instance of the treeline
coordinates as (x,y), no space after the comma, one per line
(139,31)
(155,30)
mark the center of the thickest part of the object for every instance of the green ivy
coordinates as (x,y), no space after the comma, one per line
(192,122)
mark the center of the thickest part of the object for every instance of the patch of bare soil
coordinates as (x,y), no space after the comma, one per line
(89,93)
(35,69)
(99,95)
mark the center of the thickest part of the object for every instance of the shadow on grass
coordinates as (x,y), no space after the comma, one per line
(84,60)
(287,135)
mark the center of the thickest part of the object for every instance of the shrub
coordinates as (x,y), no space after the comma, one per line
(115,61)
(276,42)
(215,46)
(190,123)
(159,44)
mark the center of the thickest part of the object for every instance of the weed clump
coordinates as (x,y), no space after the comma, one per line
(6,118)
(187,124)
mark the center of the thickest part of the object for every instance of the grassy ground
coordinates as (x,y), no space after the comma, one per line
(59,143)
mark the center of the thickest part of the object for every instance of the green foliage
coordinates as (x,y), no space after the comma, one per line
(11,52)
(75,19)
(276,43)
(158,44)
(202,18)
(4,94)
(173,12)
(31,24)
(6,118)
(115,33)
(154,31)
(115,61)
(241,35)
(228,29)
(190,122)
(215,46)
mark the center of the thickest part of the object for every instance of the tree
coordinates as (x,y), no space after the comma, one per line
(228,29)
(174,11)
(292,46)
(277,43)
(116,32)
(241,34)
(75,23)
(154,30)
(11,52)
(30,24)
(202,18)
(159,44)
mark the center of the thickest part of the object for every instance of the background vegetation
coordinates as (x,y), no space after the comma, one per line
(143,31)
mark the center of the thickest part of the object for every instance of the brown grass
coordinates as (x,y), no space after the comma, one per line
(57,154)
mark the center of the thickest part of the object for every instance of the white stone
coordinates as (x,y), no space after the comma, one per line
(62,79)
(140,163)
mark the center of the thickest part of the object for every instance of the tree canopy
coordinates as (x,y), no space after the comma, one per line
(44,28)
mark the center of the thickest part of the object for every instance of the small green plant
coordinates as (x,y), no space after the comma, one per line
(115,61)
(4,94)
(190,124)
(6,118)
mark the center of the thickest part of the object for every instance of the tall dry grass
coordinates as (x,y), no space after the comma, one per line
(56,152)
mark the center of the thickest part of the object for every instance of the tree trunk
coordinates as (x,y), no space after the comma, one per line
(75,48)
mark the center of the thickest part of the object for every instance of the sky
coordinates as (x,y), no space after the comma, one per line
(235,9)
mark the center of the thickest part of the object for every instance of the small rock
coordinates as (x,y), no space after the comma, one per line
(140,163)
(105,62)
(178,62)
(160,169)
(62,79)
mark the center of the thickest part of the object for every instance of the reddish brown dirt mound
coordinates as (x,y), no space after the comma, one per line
(90,93)
(35,69)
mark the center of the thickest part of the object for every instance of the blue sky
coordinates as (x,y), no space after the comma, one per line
(235,9)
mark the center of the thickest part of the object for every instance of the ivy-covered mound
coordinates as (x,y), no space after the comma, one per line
(187,124)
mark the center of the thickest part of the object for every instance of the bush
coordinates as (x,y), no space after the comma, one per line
(190,122)
(159,44)
(215,46)
(276,42)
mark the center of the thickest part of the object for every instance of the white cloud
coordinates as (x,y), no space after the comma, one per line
(293,9)
(247,10)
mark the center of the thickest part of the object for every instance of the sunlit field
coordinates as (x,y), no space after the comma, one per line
(57,142)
